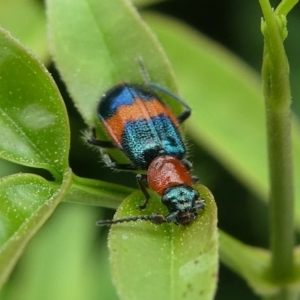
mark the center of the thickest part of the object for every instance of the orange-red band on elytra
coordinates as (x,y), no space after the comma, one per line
(139,110)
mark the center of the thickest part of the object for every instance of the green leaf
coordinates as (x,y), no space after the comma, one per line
(62,261)
(33,119)
(96,192)
(95,45)
(8,168)
(26,202)
(228,110)
(26,21)
(251,263)
(164,261)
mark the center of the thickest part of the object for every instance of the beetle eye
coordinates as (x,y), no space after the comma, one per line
(165,199)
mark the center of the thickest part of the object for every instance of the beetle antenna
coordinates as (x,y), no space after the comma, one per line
(155,219)
(143,70)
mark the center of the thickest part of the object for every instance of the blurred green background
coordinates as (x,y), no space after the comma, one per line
(68,259)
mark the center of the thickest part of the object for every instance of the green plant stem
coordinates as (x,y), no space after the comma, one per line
(281,194)
(286,6)
(275,74)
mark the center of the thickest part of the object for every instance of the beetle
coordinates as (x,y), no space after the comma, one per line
(142,126)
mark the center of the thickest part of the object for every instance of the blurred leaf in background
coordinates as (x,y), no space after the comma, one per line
(26,20)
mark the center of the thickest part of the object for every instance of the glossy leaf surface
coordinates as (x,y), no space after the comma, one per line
(26,202)
(33,120)
(165,261)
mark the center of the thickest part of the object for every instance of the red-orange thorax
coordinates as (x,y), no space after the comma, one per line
(167,171)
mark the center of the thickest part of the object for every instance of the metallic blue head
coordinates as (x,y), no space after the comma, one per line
(182,202)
